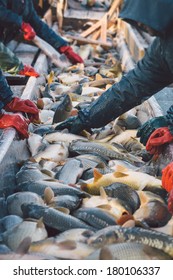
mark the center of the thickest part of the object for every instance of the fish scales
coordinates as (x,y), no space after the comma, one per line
(81,147)
(117,234)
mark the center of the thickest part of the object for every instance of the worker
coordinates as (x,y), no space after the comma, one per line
(167,184)
(10,63)
(10,103)
(151,74)
(21,15)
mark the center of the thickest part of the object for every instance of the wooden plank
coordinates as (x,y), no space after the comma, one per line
(80,39)
(96,34)
(91,29)
(104,28)
(114,6)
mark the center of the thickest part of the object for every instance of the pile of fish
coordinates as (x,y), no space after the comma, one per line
(85,196)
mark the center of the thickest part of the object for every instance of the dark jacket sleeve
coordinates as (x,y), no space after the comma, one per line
(150,75)
(43,30)
(8,16)
(6,94)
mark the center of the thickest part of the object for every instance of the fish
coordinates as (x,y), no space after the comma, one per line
(63,110)
(54,152)
(58,188)
(128,139)
(70,202)
(33,229)
(70,78)
(44,103)
(70,172)
(128,120)
(15,201)
(102,149)
(102,82)
(134,179)
(46,116)
(30,171)
(58,136)
(124,193)
(154,213)
(112,206)
(95,217)
(75,234)
(128,251)
(3,207)
(4,250)
(9,222)
(67,249)
(42,129)
(116,234)
(36,143)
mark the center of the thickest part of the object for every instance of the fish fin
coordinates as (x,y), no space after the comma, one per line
(129,223)
(67,245)
(32,159)
(103,193)
(101,165)
(48,195)
(121,169)
(24,245)
(105,254)
(105,206)
(119,174)
(50,77)
(98,77)
(63,210)
(97,175)
(40,223)
(48,172)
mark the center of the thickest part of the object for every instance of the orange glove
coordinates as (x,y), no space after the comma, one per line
(158,138)
(167,177)
(29,32)
(28,71)
(17,121)
(71,55)
(25,106)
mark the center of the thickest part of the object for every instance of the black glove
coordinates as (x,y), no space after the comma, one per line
(148,127)
(73,124)
(117,100)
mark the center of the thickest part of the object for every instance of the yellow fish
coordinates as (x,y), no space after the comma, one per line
(136,180)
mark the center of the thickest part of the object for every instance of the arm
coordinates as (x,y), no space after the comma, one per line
(43,30)
(6,94)
(7,16)
(149,76)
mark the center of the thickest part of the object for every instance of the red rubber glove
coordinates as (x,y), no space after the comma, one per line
(29,32)
(170,202)
(25,106)
(28,71)
(17,121)
(167,177)
(71,55)
(158,138)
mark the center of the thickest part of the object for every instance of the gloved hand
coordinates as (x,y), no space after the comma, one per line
(17,121)
(71,55)
(158,138)
(28,71)
(25,106)
(73,124)
(148,127)
(29,32)
(167,177)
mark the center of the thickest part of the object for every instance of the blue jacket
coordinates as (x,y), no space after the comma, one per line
(151,74)
(6,94)
(12,13)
